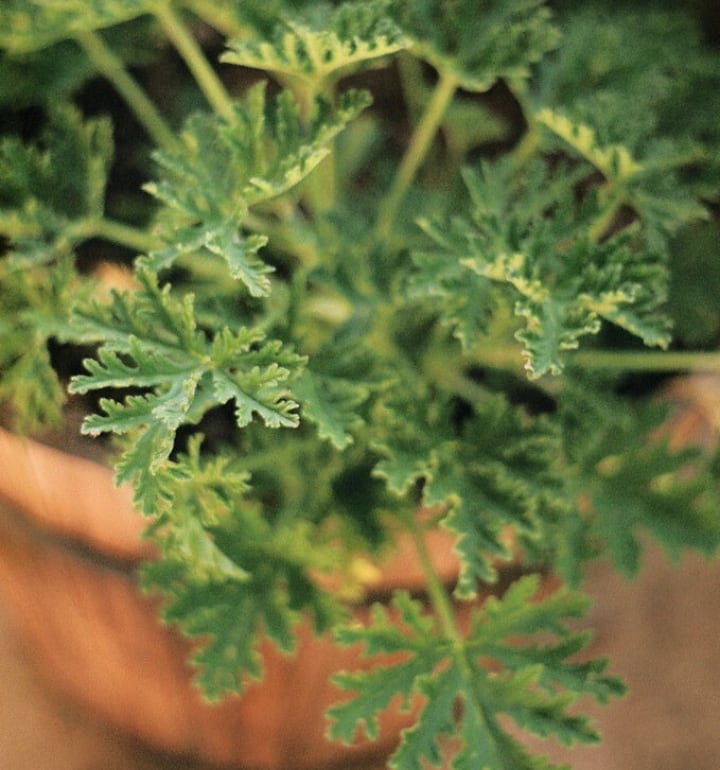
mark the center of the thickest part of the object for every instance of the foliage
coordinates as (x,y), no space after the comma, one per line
(403,259)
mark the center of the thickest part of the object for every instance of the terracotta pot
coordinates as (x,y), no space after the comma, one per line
(70,547)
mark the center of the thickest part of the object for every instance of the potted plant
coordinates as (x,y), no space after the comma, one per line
(358,278)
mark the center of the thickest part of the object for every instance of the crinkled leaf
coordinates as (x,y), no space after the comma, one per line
(504,474)
(537,243)
(322,42)
(333,388)
(50,189)
(150,340)
(228,575)
(633,482)
(501,471)
(227,166)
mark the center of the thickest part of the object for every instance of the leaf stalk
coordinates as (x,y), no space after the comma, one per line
(416,151)
(112,67)
(193,56)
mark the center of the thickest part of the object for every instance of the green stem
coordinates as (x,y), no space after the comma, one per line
(218,17)
(416,151)
(413,85)
(114,70)
(116,232)
(647,360)
(612,360)
(193,56)
(439,598)
(526,148)
(445,612)
(125,235)
(605,218)
(529,145)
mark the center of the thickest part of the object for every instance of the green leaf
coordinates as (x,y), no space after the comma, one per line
(614,161)
(633,80)
(28,25)
(501,470)
(478,43)
(225,167)
(633,482)
(322,43)
(227,574)
(504,473)
(52,192)
(334,387)
(467,683)
(536,243)
(150,340)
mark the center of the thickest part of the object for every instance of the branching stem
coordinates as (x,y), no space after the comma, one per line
(112,67)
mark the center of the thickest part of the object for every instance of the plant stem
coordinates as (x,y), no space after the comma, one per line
(648,360)
(125,235)
(193,56)
(529,145)
(114,70)
(412,83)
(439,598)
(445,613)
(613,360)
(218,17)
(416,151)
(605,218)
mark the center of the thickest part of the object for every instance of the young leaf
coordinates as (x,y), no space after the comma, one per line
(227,167)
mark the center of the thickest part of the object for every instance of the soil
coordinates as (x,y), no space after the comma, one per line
(662,633)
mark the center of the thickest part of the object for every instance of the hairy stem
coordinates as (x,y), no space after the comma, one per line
(193,56)
(114,70)
(416,151)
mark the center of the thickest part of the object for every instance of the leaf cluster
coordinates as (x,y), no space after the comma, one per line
(372,286)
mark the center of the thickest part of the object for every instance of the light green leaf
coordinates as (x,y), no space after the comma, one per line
(225,167)
(155,344)
(322,43)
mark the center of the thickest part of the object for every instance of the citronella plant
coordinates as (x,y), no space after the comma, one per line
(387,256)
